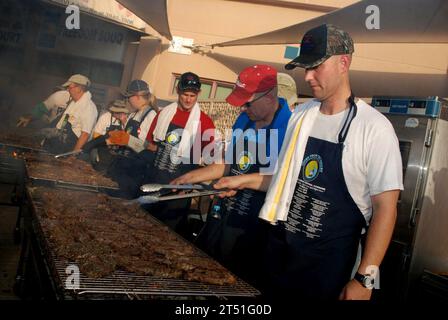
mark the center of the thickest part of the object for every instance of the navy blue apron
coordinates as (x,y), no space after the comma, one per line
(163,170)
(237,237)
(127,168)
(312,254)
(105,155)
(64,142)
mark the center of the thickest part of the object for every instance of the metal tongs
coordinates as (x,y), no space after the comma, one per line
(66,154)
(154,199)
(154,187)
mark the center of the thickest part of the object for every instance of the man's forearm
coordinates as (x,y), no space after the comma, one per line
(256,181)
(208,173)
(83,138)
(380,230)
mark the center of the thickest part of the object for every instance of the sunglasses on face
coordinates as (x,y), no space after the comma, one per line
(248,104)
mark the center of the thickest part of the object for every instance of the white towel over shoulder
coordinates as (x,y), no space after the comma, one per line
(189,133)
(281,189)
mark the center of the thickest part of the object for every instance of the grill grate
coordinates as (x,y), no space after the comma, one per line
(69,185)
(125,283)
(17,147)
(128,285)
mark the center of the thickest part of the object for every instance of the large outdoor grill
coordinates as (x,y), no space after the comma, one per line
(123,284)
(42,271)
(21,139)
(66,172)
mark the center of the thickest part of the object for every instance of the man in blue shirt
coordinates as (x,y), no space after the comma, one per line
(233,233)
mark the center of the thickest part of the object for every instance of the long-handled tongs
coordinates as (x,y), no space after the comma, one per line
(66,154)
(154,199)
(153,187)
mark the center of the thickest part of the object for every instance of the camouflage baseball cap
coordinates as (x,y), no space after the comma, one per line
(319,44)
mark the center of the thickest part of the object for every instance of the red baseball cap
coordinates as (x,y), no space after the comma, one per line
(254,79)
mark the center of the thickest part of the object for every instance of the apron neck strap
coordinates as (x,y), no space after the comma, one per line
(348,121)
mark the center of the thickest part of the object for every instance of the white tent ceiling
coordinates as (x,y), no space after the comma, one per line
(153,12)
(410,21)
(363,83)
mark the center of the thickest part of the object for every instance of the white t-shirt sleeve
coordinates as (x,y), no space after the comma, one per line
(383,161)
(57,99)
(146,124)
(102,124)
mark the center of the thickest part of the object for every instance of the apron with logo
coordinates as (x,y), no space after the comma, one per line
(312,254)
(237,237)
(163,170)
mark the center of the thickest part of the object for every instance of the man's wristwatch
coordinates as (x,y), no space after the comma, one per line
(366,280)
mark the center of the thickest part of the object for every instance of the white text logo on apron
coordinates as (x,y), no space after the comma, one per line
(312,167)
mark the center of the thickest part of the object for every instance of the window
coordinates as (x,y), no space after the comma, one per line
(206,90)
(210,89)
(222,91)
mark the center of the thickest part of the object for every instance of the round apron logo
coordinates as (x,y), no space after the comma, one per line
(244,162)
(312,166)
(172,138)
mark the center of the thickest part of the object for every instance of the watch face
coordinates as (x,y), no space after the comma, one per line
(368,282)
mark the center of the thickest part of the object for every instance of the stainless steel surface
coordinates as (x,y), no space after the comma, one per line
(420,239)
(415,161)
(430,249)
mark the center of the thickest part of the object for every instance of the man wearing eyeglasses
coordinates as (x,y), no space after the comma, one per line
(233,233)
(75,125)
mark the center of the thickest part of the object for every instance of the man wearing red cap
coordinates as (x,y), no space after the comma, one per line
(233,233)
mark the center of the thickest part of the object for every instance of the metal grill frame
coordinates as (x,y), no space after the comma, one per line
(124,284)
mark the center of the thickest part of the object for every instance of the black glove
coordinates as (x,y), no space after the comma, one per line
(95,143)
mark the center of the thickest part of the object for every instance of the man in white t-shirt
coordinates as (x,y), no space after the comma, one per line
(75,126)
(46,111)
(340,170)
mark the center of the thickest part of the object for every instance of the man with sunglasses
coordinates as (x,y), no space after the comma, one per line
(175,134)
(233,233)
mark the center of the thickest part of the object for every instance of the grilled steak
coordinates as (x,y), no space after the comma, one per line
(70,170)
(102,234)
